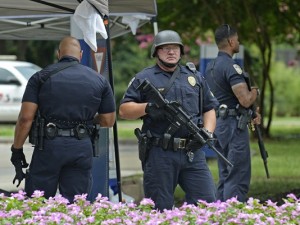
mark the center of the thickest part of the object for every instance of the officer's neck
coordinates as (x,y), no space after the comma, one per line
(166,68)
(228,51)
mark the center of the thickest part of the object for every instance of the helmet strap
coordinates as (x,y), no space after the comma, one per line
(169,65)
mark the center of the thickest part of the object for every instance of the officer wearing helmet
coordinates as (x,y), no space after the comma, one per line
(181,161)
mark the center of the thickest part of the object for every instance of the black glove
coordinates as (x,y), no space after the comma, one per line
(209,136)
(19,161)
(194,144)
(155,113)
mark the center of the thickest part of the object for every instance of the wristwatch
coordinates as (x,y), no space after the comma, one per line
(209,134)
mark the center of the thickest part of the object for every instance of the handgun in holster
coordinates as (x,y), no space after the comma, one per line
(143,144)
(36,133)
(95,140)
(245,116)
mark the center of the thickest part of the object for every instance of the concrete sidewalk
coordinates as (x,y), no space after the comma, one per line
(128,156)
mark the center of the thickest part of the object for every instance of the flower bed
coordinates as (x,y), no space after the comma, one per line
(18,209)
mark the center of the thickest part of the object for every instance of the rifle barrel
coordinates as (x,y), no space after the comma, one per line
(219,154)
(263,152)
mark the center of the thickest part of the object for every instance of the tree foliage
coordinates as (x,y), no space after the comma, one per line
(130,54)
(259,23)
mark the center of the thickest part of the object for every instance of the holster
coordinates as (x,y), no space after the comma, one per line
(143,144)
(36,133)
(95,140)
(245,116)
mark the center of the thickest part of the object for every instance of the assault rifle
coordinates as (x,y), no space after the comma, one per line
(263,152)
(178,117)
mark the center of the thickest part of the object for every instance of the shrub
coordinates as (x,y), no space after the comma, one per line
(18,209)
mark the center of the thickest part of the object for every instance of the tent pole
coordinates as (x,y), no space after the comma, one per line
(155,27)
(115,129)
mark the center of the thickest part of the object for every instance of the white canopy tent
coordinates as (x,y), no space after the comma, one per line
(50,19)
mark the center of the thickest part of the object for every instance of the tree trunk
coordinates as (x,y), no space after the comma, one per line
(22,47)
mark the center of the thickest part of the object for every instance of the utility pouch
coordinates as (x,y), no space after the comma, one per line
(223,111)
(166,140)
(51,131)
(143,144)
(81,131)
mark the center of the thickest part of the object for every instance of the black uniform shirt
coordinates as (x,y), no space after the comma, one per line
(74,94)
(221,74)
(185,90)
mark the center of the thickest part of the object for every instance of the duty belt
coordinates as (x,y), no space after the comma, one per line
(175,143)
(231,112)
(80,131)
(66,132)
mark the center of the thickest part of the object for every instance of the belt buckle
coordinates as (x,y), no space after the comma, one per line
(182,143)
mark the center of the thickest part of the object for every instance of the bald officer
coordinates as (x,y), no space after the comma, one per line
(70,98)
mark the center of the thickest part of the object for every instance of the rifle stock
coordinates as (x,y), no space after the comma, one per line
(175,113)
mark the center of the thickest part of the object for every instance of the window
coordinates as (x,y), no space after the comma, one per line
(6,76)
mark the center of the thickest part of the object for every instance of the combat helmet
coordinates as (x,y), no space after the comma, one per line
(166,37)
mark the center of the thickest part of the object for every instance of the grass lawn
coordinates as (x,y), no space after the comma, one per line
(283,163)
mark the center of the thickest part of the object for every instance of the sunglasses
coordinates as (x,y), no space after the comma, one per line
(228,30)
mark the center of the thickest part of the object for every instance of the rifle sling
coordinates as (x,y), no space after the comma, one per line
(61,67)
(175,74)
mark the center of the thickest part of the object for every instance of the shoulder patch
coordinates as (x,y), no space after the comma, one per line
(237,68)
(191,66)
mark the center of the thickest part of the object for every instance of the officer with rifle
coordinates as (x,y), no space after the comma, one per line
(228,82)
(169,150)
(62,107)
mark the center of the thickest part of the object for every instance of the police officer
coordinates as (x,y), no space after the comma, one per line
(70,101)
(181,162)
(228,83)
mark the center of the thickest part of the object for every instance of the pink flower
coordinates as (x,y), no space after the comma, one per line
(147,201)
(37,194)
(20,195)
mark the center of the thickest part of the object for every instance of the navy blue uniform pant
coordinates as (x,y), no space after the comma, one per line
(65,163)
(233,143)
(163,170)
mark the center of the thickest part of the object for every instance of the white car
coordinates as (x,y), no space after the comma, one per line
(14,76)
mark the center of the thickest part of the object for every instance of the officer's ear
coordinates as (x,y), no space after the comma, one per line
(58,54)
(81,53)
